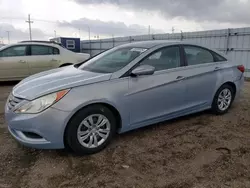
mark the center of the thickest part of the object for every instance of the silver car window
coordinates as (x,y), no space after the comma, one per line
(165,58)
(196,55)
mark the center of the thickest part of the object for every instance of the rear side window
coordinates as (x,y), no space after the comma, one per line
(56,51)
(14,51)
(41,50)
(196,55)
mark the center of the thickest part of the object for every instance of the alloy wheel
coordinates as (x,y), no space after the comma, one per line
(93,131)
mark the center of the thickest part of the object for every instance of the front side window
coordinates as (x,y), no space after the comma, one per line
(113,61)
(14,51)
(163,59)
(196,55)
(41,50)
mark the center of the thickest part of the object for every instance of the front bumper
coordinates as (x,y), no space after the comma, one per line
(49,125)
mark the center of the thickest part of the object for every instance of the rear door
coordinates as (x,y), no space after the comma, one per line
(13,63)
(201,75)
(42,58)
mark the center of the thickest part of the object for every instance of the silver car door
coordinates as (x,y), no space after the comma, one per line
(201,76)
(13,64)
(156,97)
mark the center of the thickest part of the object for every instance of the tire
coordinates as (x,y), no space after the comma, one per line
(217,108)
(78,124)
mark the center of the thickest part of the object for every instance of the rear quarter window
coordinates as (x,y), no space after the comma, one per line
(218,57)
(56,51)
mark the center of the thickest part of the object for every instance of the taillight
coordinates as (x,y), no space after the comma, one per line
(241,68)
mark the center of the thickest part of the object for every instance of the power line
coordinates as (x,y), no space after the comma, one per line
(23,18)
(29,22)
(39,20)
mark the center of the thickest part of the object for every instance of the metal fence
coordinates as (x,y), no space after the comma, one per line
(235,43)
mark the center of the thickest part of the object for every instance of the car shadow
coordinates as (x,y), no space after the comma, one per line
(8,83)
(166,123)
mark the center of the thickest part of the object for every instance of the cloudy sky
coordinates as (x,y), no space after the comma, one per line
(107,18)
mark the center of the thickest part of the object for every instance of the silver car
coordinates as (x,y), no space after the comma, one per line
(130,86)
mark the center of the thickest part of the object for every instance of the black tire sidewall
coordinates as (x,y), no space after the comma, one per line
(215,107)
(71,130)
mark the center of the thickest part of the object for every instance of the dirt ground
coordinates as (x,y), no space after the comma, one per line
(202,150)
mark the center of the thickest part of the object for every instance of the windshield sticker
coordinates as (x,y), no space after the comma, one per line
(141,50)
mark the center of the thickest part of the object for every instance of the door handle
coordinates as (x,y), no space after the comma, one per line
(22,61)
(53,60)
(180,77)
(217,68)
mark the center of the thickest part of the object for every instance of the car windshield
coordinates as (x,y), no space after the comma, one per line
(112,60)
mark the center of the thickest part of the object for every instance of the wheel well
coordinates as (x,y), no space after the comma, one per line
(65,64)
(110,107)
(232,85)
(114,111)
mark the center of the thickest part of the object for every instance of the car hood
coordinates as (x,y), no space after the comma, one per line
(54,80)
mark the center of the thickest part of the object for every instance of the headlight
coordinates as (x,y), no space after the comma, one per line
(42,103)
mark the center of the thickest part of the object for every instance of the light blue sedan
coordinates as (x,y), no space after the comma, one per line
(124,88)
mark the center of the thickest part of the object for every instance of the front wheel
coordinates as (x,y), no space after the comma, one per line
(90,130)
(223,99)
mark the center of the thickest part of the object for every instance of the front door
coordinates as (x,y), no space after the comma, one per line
(160,96)
(13,63)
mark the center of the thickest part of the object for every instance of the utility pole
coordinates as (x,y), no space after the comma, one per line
(79,33)
(0,35)
(55,33)
(149,30)
(89,32)
(29,22)
(8,32)
(172,29)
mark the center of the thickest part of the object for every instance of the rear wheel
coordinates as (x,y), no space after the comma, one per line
(90,130)
(223,99)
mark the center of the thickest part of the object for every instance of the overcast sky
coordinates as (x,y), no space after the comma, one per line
(107,18)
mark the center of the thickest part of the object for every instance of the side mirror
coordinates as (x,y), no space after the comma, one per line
(143,70)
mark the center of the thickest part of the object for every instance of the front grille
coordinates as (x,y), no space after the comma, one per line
(13,101)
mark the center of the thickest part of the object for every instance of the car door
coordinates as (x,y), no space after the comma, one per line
(201,76)
(160,96)
(41,58)
(13,64)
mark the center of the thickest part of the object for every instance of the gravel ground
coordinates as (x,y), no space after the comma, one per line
(202,150)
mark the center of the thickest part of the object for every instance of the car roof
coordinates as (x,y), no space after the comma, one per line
(38,42)
(150,43)
(28,43)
